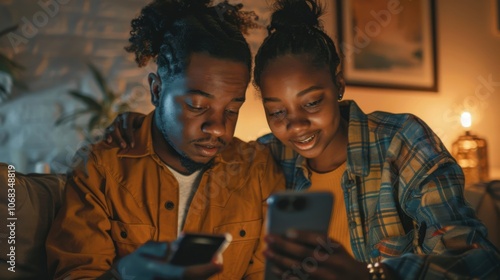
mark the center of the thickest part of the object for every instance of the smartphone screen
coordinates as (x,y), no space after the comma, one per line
(193,249)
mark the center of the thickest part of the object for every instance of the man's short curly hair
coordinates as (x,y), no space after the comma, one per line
(169,31)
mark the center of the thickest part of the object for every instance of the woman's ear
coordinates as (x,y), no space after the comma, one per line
(340,83)
(154,88)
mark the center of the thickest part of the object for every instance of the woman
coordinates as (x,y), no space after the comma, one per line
(400,198)
(399,208)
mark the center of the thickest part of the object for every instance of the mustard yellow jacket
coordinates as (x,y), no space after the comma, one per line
(116,200)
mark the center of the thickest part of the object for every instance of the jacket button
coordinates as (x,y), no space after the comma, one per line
(243,233)
(169,205)
(352,224)
(123,234)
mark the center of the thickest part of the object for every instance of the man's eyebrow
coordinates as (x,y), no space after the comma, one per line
(200,92)
(239,99)
(301,93)
(271,99)
(208,95)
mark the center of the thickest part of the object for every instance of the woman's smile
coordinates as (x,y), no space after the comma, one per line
(305,142)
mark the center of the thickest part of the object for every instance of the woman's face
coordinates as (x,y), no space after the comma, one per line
(301,105)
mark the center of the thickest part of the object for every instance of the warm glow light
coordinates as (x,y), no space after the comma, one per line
(466,119)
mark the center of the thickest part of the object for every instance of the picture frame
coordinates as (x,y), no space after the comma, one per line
(388,43)
(496,17)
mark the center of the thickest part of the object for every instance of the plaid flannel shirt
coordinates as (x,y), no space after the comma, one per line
(404,198)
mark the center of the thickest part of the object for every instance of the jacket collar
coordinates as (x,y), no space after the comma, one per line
(358,155)
(143,140)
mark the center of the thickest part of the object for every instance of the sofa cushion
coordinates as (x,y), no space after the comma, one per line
(485,199)
(37,200)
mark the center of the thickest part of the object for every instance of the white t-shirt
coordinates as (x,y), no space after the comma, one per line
(188,184)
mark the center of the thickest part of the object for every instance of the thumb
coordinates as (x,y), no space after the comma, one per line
(154,249)
(218,259)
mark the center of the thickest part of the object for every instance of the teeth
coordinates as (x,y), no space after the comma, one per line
(308,139)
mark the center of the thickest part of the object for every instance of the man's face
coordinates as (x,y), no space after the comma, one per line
(197,112)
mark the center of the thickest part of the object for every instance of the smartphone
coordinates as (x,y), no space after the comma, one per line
(308,211)
(194,248)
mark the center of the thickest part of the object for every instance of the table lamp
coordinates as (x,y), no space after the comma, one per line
(471,153)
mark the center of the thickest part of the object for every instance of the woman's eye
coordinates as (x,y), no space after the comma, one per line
(232,112)
(314,103)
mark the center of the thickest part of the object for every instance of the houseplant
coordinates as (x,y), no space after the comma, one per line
(99,112)
(9,70)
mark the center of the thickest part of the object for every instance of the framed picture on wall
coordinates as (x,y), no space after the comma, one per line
(389,43)
(496,18)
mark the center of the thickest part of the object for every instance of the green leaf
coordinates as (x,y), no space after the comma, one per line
(123,107)
(94,121)
(9,66)
(66,118)
(8,29)
(13,69)
(91,103)
(101,82)
(103,111)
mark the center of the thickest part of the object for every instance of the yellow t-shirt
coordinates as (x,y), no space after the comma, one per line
(330,181)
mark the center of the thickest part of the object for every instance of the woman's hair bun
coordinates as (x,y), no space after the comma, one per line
(290,14)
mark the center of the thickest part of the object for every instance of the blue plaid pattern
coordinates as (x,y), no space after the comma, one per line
(404,197)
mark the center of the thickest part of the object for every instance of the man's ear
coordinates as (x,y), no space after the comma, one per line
(154,88)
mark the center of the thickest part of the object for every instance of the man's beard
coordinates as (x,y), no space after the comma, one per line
(190,165)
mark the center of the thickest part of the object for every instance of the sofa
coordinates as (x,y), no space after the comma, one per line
(38,197)
(485,199)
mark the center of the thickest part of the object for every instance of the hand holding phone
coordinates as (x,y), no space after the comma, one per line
(303,211)
(145,263)
(194,248)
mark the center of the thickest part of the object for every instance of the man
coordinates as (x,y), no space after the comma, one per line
(185,171)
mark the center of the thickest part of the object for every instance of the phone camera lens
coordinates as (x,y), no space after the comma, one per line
(282,204)
(299,203)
